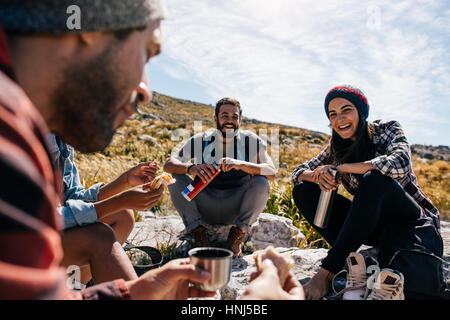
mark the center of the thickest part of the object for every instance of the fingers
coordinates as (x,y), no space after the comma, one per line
(210,170)
(197,293)
(326,185)
(329,178)
(293,287)
(180,270)
(206,172)
(203,176)
(227,167)
(269,270)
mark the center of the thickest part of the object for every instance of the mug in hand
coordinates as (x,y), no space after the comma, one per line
(215,260)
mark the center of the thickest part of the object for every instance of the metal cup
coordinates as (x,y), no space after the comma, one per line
(215,260)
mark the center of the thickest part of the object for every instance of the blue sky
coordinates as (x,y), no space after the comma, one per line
(279,59)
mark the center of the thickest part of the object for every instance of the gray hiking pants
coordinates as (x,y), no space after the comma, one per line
(238,206)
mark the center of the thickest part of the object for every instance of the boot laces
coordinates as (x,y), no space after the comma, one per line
(384,291)
(354,282)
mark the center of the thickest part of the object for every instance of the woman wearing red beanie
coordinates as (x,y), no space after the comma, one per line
(373,162)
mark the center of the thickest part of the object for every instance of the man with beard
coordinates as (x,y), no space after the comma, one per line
(82,85)
(238,194)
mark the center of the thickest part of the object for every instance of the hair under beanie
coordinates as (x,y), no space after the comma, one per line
(50,16)
(350,93)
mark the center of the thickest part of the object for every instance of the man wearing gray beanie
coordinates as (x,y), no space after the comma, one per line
(74,68)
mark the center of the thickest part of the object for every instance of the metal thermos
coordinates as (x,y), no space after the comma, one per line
(324,205)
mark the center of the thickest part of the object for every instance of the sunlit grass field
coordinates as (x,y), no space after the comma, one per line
(143,139)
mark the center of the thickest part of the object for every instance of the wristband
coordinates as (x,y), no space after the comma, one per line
(188,168)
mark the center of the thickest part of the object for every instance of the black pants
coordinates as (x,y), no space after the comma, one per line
(379,202)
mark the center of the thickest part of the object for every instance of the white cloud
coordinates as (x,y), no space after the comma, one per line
(279,58)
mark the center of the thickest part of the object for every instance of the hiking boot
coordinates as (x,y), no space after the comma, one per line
(234,241)
(355,284)
(388,285)
(201,237)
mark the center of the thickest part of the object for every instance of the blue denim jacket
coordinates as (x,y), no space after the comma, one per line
(78,209)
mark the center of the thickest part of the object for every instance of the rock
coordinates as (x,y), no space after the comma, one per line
(274,230)
(431,152)
(268,230)
(314,146)
(153,141)
(283,165)
(428,156)
(159,104)
(149,116)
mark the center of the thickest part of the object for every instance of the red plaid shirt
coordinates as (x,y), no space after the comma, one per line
(30,250)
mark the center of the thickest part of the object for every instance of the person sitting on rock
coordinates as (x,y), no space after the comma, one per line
(90,214)
(238,194)
(373,163)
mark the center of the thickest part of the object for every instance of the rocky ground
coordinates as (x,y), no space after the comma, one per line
(168,232)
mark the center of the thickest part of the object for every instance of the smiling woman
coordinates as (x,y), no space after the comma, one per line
(373,163)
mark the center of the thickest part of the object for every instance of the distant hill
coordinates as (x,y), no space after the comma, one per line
(178,110)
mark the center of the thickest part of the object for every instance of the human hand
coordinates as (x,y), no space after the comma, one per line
(204,171)
(226,164)
(170,282)
(323,177)
(266,285)
(143,173)
(139,199)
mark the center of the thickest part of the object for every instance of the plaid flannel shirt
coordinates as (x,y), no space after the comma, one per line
(30,188)
(392,158)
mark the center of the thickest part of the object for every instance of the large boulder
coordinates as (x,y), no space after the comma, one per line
(270,229)
(169,232)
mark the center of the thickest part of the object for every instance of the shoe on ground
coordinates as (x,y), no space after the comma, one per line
(234,241)
(356,282)
(201,237)
(388,285)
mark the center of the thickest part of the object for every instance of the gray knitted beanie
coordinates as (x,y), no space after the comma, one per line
(55,16)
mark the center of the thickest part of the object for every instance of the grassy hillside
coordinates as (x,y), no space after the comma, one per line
(143,139)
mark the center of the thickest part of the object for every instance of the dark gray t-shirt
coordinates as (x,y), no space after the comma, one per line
(207,148)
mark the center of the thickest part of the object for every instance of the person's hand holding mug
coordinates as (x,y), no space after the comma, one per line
(173,281)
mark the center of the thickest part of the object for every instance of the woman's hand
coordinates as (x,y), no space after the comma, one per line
(142,173)
(323,177)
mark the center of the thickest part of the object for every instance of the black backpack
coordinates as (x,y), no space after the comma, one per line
(416,251)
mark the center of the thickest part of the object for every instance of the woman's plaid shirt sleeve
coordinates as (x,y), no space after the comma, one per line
(312,164)
(396,160)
